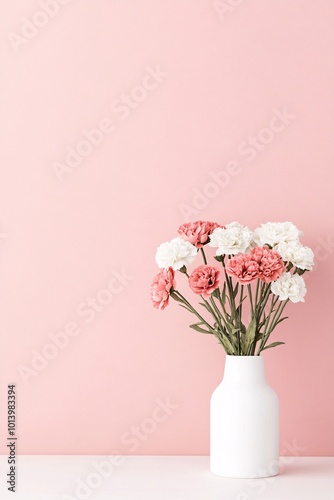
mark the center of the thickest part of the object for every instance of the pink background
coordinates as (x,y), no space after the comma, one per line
(223,78)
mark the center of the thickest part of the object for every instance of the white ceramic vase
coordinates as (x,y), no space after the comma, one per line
(244,421)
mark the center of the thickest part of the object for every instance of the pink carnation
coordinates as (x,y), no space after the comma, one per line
(243,267)
(197,233)
(204,280)
(261,262)
(161,287)
(270,263)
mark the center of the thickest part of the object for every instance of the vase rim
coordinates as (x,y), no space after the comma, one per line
(237,356)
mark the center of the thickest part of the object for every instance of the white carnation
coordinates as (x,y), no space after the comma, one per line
(273,233)
(175,253)
(233,239)
(234,224)
(299,255)
(289,287)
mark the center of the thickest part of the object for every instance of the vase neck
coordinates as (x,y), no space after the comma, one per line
(245,370)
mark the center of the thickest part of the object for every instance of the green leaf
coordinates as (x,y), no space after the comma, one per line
(280,320)
(300,271)
(230,326)
(274,344)
(227,345)
(249,336)
(196,327)
(224,293)
(175,297)
(216,293)
(261,324)
(207,307)
(235,291)
(241,301)
(186,307)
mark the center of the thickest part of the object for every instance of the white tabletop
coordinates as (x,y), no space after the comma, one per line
(46,477)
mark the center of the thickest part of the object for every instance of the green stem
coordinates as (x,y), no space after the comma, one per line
(264,296)
(266,324)
(220,332)
(257,292)
(240,316)
(249,288)
(229,283)
(203,255)
(214,306)
(273,324)
(277,315)
(263,293)
(233,316)
(193,310)
(216,312)
(241,301)
(220,317)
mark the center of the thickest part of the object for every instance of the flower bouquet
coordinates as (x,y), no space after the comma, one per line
(244,295)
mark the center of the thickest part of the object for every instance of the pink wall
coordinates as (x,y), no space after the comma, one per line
(201,86)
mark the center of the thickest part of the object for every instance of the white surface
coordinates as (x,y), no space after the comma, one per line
(165,478)
(244,421)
